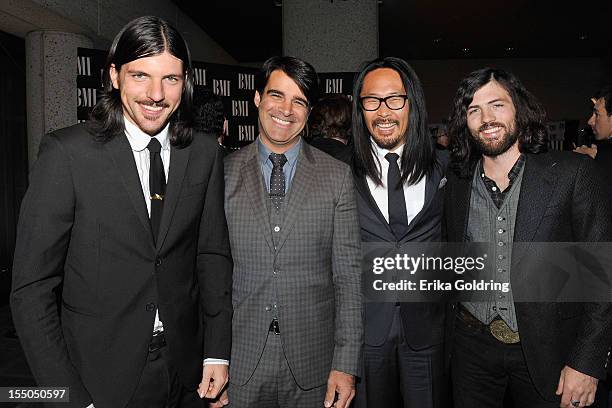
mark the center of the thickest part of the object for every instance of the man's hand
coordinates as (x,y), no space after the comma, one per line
(591,151)
(221,402)
(214,378)
(575,386)
(342,384)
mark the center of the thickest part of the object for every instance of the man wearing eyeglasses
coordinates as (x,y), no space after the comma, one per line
(399,177)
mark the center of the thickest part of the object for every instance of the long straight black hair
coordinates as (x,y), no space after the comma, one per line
(143,37)
(418,156)
(530,118)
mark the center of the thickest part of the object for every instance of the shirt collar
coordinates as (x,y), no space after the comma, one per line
(290,154)
(381,152)
(139,140)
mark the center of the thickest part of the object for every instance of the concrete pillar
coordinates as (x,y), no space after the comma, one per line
(333,35)
(51,69)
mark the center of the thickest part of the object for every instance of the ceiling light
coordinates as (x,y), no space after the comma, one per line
(465,49)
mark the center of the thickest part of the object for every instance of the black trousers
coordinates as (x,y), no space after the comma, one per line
(398,376)
(159,385)
(486,371)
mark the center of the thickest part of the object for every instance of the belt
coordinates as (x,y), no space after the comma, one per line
(158,340)
(274,327)
(497,328)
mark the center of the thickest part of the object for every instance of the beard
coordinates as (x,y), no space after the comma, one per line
(390,142)
(495,147)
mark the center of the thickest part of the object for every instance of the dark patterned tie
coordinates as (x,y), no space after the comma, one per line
(277,179)
(157,185)
(398,220)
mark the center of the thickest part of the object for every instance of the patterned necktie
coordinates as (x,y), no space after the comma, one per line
(277,179)
(398,219)
(157,185)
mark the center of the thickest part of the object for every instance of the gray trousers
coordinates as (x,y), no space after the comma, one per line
(272,384)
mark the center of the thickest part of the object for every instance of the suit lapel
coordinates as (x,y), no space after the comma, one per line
(537,187)
(364,191)
(121,153)
(459,202)
(431,187)
(179,158)
(256,190)
(301,185)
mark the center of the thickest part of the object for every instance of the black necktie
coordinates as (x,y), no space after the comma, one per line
(277,179)
(157,185)
(398,220)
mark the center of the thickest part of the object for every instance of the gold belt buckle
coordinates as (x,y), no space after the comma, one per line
(500,330)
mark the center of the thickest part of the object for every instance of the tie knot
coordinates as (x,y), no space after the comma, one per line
(278,160)
(154,146)
(392,157)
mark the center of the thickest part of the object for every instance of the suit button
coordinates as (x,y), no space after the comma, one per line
(158,262)
(276,228)
(276,271)
(268,308)
(150,307)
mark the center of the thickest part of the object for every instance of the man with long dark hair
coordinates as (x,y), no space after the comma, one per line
(141,266)
(297,296)
(400,179)
(506,188)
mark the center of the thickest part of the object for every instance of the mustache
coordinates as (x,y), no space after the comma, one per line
(490,125)
(384,121)
(154,104)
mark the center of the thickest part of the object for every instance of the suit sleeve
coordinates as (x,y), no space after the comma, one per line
(591,222)
(214,267)
(43,238)
(346,264)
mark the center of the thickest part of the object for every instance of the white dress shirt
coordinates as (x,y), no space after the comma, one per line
(413,194)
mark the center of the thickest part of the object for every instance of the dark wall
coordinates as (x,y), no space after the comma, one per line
(13,150)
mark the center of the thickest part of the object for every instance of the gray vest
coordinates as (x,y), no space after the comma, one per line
(487,223)
(276,225)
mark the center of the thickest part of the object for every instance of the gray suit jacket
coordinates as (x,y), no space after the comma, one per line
(314,273)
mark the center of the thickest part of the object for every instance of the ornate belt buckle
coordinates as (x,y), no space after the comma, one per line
(500,330)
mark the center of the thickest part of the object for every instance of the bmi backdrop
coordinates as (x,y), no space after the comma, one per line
(235,85)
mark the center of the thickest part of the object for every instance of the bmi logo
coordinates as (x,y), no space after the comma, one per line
(240,108)
(199,74)
(221,87)
(84,66)
(333,85)
(246,81)
(86,97)
(246,133)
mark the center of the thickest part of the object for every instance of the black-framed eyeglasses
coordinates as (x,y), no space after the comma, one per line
(393,102)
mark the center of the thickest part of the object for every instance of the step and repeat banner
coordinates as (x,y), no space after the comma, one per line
(235,86)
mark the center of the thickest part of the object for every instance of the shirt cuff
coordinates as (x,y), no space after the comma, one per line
(208,361)
(90,406)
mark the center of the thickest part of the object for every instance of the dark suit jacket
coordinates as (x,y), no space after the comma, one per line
(334,148)
(561,200)
(603,160)
(84,230)
(423,323)
(313,273)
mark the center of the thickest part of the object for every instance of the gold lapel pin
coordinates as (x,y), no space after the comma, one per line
(157,197)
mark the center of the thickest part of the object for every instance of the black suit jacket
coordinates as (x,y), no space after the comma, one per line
(84,230)
(562,199)
(423,323)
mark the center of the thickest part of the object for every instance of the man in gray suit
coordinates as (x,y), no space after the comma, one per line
(292,216)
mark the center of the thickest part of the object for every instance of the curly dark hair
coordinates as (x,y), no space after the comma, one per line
(331,117)
(530,118)
(208,112)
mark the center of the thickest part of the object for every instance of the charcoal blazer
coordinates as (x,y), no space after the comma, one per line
(313,272)
(562,199)
(423,323)
(84,232)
